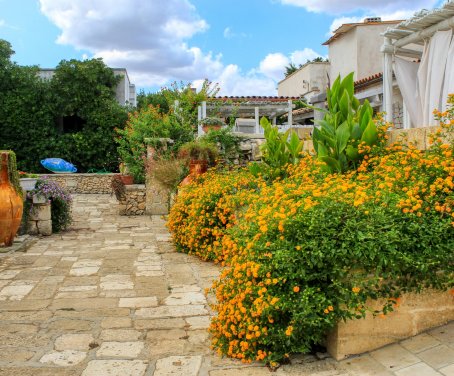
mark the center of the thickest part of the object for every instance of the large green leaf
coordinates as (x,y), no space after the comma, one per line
(370,135)
(352,153)
(344,105)
(348,84)
(342,137)
(332,163)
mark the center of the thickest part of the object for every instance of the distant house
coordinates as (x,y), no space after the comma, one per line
(355,47)
(125,92)
(309,80)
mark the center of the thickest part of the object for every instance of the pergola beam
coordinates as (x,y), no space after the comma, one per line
(425,33)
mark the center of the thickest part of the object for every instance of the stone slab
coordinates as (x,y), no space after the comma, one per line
(120,349)
(178,366)
(140,302)
(172,311)
(65,358)
(115,368)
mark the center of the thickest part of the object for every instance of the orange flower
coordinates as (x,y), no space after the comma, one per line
(296,289)
(356,290)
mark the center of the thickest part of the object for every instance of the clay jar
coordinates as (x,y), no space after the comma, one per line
(11,205)
(196,168)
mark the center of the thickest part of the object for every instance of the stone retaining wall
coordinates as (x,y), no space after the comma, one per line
(133,202)
(414,314)
(83,183)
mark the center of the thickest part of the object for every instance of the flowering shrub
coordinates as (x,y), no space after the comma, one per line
(309,250)
(206,208)
(60,202)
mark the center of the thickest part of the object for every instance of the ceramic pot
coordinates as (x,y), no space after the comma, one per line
(127,179)
(11,205)
(196,168)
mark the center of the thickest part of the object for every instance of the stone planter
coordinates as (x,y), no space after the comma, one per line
(28,184)
(414,314)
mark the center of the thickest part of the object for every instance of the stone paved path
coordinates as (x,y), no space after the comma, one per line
(112,297)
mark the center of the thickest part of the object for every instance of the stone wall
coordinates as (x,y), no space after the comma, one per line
(83,183)
(39,220)
(133,202)
(413,314)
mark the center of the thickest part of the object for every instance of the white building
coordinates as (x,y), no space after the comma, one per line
(355,47)
(309,80)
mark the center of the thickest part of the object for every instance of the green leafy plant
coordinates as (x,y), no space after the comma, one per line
(199,150)
(346,125)
(279,150)
(228,143)
(212,121)
(168,172)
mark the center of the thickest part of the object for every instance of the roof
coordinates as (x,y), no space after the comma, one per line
(366,81)
(421,20)
(253,99)
(345,28)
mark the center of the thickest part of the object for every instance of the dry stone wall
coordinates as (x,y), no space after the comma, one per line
(83,183)
(133,201)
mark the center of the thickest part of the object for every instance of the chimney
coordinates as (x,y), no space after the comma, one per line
(372,19)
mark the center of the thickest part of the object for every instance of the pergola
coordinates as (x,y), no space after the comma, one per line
(406,40)
(248,107)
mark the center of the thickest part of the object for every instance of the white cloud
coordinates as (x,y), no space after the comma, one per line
(349,6)
(230,34)
(151,40)
(273,66)
(302,56)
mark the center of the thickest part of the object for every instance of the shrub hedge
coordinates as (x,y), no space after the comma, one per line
(307,251)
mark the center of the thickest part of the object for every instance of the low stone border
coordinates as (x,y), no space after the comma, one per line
(83,183)
(413,314)
(133,201)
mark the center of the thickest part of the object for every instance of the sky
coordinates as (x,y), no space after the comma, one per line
(243,45)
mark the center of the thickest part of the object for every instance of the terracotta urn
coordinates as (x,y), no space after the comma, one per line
(11,205)
(196,168)
(127,179)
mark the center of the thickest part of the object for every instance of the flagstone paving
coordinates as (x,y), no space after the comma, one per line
(113,297)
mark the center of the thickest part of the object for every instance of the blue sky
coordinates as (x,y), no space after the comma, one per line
(243,45)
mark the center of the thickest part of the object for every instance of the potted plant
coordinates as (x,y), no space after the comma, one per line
(199,155)
(125,176)
(211,123)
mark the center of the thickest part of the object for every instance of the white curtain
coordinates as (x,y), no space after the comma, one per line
(431,75)
(449,76)
(406,75)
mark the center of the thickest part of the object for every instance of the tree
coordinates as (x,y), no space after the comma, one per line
(291,68)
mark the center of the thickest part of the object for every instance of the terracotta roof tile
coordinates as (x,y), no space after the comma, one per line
(377,77)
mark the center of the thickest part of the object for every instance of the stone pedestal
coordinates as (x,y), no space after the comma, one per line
(414,314)
(39,221)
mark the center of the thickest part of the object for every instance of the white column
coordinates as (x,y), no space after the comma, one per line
(388,82)
(204,109)
(274,120)
(257,121)
(290,113)
(199,117)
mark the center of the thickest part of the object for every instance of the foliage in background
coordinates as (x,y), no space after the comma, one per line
(60,202)
(148,123)
(347,130)
(279,150)
(169,172)
(309,250)
(13,173)
(188,101)
(228,143)
(199,150)
(155,99)
(33,110)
